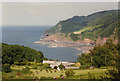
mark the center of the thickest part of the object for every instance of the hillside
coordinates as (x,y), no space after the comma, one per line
(19,54)
(103,24)
(77,22)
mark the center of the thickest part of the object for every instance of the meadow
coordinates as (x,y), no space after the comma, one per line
(16,73)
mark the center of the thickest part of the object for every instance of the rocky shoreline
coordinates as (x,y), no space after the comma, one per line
(59,40)
(79,46)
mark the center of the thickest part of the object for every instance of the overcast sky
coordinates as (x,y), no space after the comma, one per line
(39,13)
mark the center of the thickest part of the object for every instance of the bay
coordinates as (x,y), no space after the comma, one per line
(27,35)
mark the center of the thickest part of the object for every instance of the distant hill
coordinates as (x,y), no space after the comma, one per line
(101,24)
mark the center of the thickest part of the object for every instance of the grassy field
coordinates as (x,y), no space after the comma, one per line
(84,74)
(90,28)
(79,74)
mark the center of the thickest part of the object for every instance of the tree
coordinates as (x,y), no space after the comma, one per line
(19,54)
(84,58)
(6,68)
(115,72)
(78,64)
(61,66)
(100,56)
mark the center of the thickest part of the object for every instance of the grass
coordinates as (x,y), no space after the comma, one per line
(90,28)
(79,74)
(13,75)
(48,74)
(84,74)
(88,74)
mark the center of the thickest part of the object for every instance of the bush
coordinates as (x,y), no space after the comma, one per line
(16,63)
(73,65)
(69,72)
(20,63)
(45,66)
(61,75)
(85,66)
(78,64)
(6,68)
(26,70)
(38,64)
(30,63)
(34,67)
(61,67)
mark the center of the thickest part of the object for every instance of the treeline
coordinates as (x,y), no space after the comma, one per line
(19,54)
(106,55)
(101,55)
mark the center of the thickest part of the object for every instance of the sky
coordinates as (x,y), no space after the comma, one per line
(48,13)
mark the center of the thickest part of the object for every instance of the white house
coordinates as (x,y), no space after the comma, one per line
(57,63)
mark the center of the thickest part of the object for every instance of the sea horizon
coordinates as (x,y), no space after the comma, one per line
(27,35)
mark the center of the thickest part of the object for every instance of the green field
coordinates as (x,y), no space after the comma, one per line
(79,74)
(90,28)
(84,74)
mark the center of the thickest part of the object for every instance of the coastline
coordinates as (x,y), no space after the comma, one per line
(85,47)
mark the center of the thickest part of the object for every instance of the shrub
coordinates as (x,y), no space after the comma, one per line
(34,67)
(6,68)
(85,66)
(78,64)
(30,63)
(16,63)
(45,66)
(69,72)
(61,66)
(72,65)
(61,75)
(26,70)
(20,63)
(38,64)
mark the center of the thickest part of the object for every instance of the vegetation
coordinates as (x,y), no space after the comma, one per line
(99,56)
(106,55)
(103,59)
(26,70)
(77,22)
(19,55)
(46,66)
(61,66)
(6,68)
(101,24)
(74,37)
(69,72)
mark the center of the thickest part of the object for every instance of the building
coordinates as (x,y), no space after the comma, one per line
(57,63)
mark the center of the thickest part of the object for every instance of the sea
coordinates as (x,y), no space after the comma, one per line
(27,35)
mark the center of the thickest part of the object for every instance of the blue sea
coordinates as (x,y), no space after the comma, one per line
(27,35)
